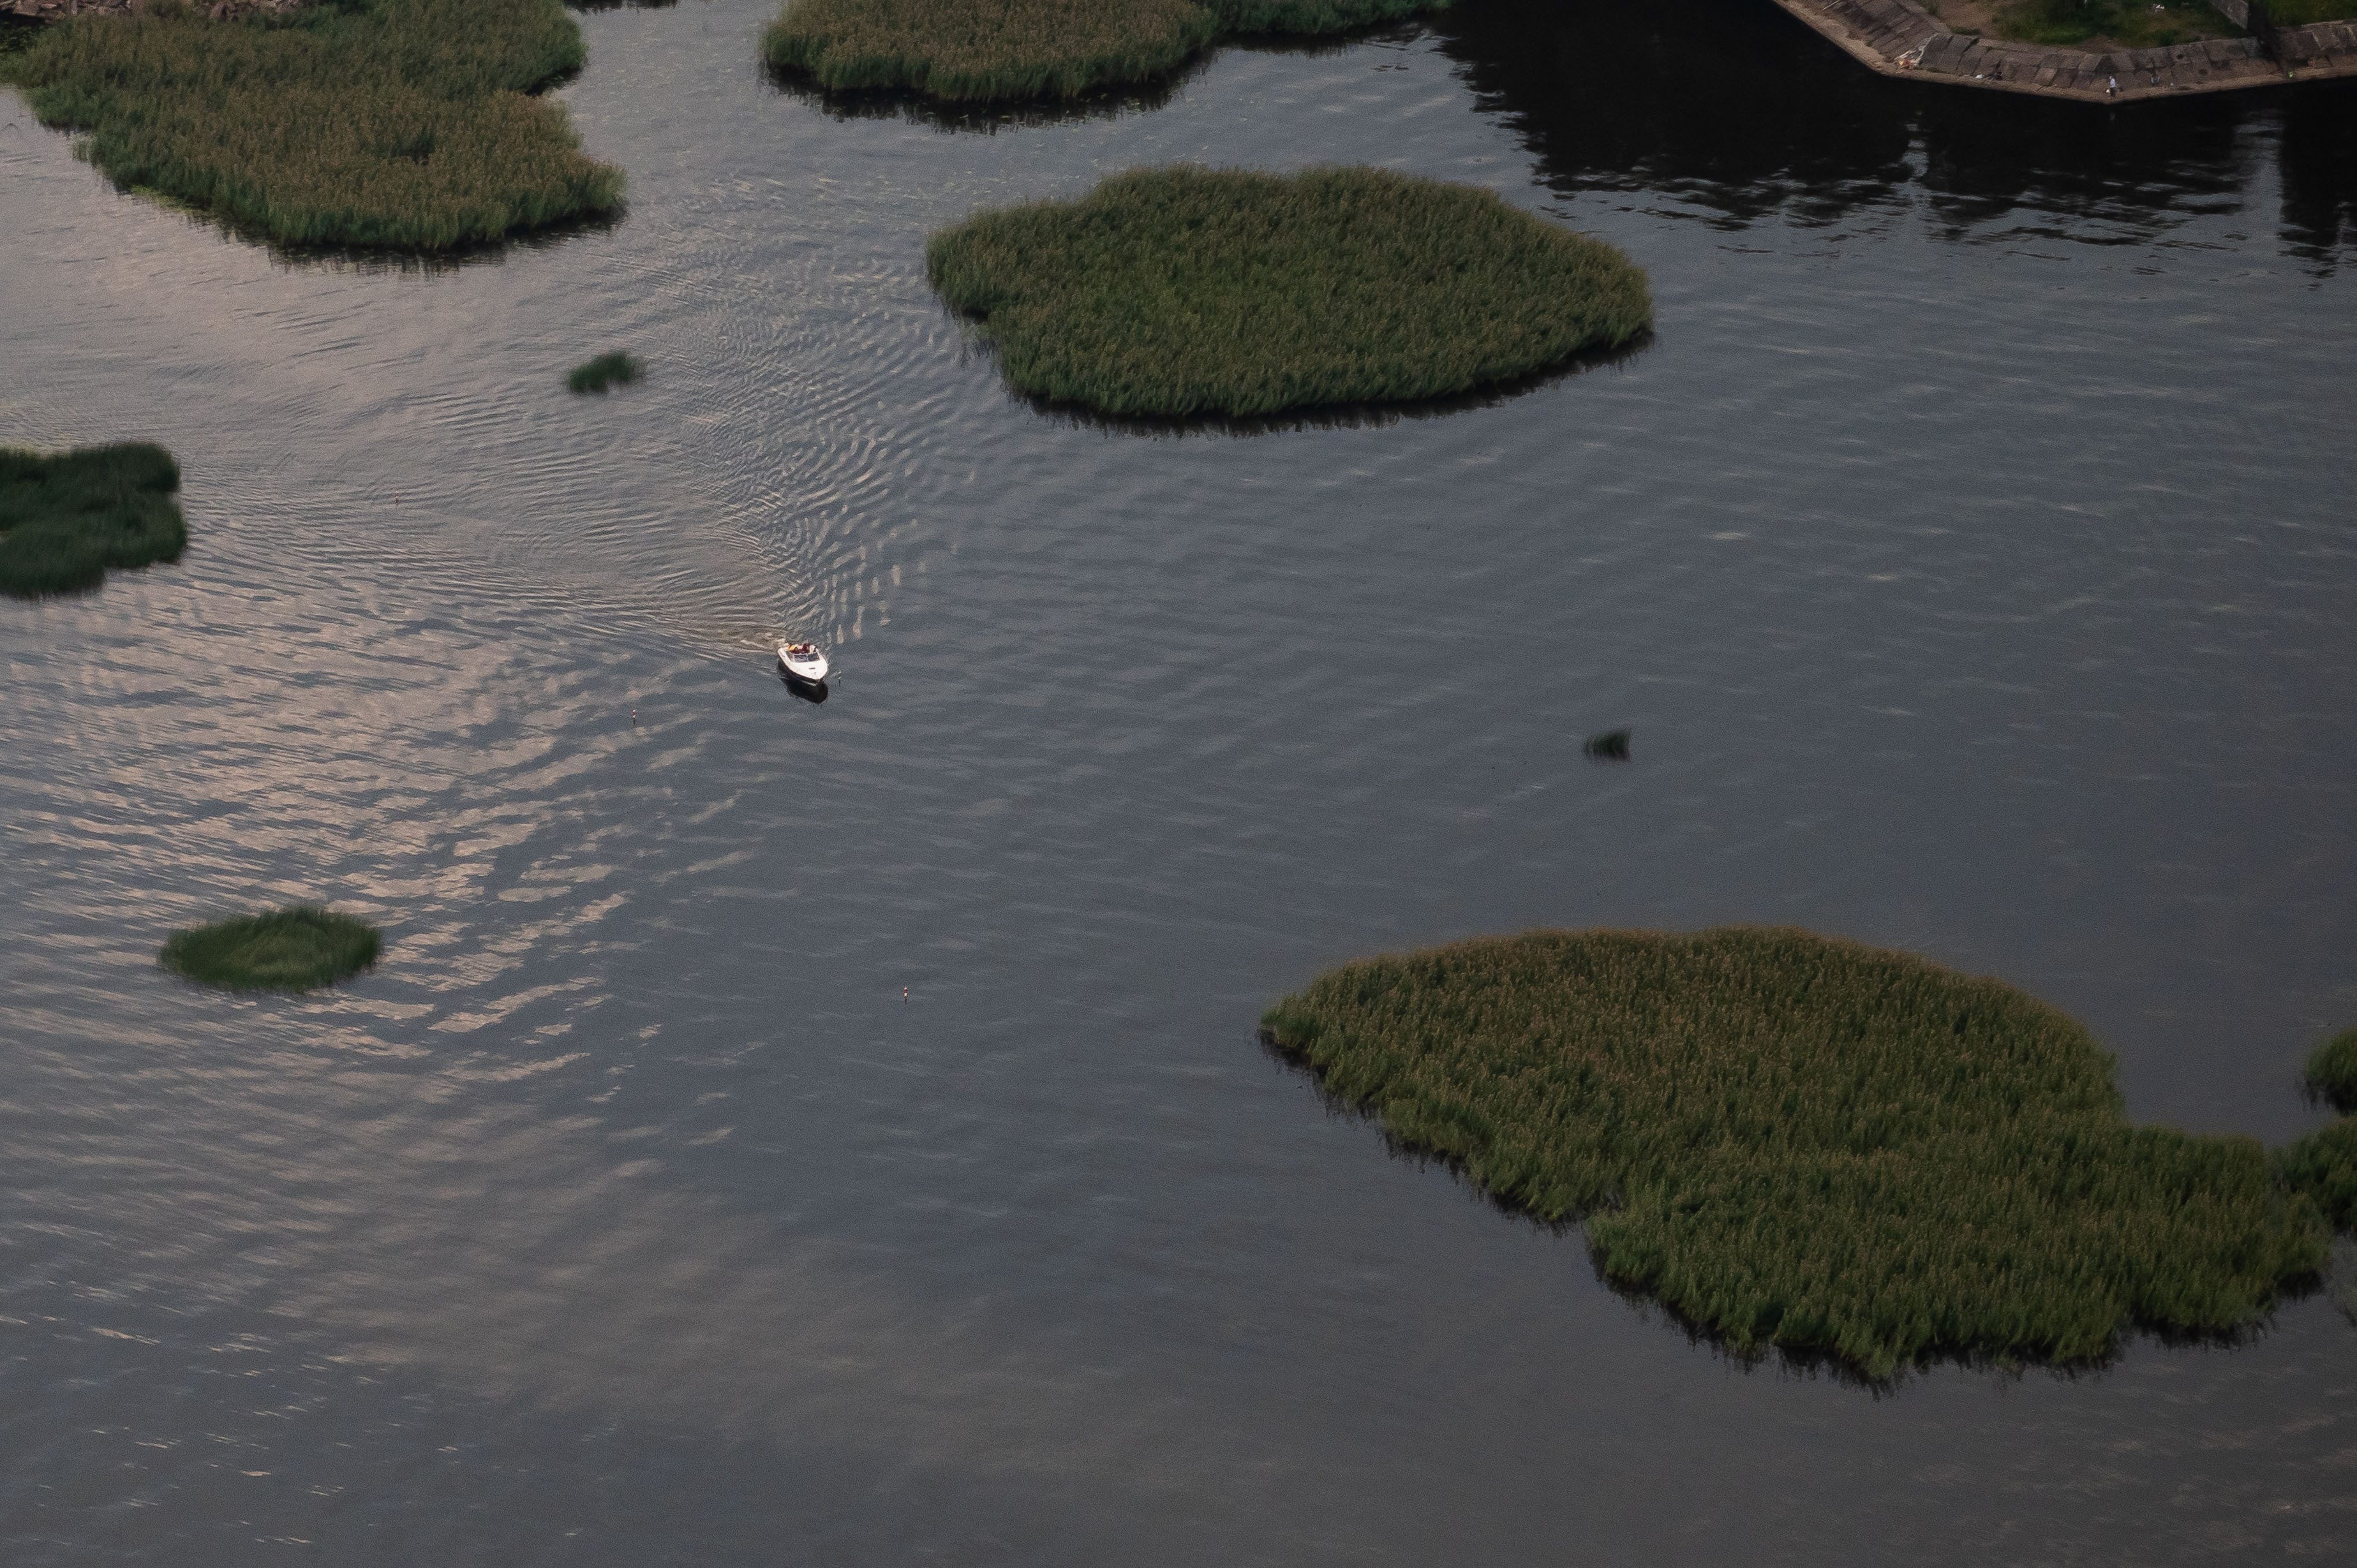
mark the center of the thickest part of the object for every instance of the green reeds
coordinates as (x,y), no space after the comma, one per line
(295,949)
(2324,1165)
(2332,1072)
(403,124)
(965,49)
(1806,1144)
(66,517)
(1190,291)
(615,370)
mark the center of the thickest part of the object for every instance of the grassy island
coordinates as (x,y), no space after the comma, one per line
(1805,1143)
(297,948)
(1188,290)
(67,517)
(400,123)
(965,50)
(616,370)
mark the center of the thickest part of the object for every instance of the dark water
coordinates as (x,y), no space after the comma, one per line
(1972,555)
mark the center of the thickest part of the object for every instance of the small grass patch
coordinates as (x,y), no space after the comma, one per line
(2301,13)
(400,123)
(2332,1072)
(1188,291)
(2324,1165)
(297,948)
(2131,24)
(616,370)
(67,517)
(1810,1145)
(1000,50)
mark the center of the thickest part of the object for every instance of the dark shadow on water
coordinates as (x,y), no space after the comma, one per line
(386,259)
(1737,110)
(2318,160)
(808,690)
(987,119)
(1809,1364)
(1341,415)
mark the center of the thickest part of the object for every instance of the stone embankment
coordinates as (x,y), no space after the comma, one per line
(1899,37)
(49,10)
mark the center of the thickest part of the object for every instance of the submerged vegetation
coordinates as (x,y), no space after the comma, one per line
(1611,745)
(67,517)
(295,949)
(1810,1145)
(615,370)
(1190,291)
(962,49)
(404,123)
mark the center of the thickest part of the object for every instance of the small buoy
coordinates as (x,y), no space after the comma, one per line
(904,994)
(634,715)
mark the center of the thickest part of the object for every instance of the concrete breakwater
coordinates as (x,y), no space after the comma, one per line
(1899,37)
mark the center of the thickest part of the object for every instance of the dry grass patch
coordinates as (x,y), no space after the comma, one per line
(1805,1143)
(404,123)
(1188,290)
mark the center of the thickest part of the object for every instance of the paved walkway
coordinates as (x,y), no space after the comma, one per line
(1899,37)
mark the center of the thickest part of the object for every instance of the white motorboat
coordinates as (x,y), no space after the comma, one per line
(803,660)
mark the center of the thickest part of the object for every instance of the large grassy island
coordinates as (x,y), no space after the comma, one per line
(297,948)
(400,123)
(67,517)
(1190,291)
(1810,1145)
(963,49)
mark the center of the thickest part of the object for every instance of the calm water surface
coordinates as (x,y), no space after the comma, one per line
(1972,553)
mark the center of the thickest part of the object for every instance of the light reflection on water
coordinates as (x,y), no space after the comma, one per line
(1969,553)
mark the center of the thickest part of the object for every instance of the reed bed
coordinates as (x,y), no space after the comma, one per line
(1188,290)
(67,517)
(615,370)
(962,50)
(400,123)
(2332,1072)
(1805,1143)
(295,949)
